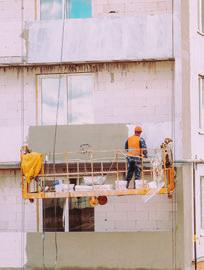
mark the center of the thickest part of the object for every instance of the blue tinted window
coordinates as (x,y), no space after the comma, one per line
(79,9)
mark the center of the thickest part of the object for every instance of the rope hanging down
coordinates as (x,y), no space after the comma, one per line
(56,125)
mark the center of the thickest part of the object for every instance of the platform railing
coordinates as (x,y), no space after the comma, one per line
(158,167)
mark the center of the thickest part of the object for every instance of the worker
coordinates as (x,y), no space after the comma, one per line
(136,147)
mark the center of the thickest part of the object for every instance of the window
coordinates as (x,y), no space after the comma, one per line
(81,215)
(79,9)
(53,215)
(59,9)
(201,15)
(66,214)
(201,103)
(74,94)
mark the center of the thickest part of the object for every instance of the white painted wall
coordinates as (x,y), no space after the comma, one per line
(14,13)
(10,25)
(12,250)
(131,213)
(177,91)
(11,42)
(10,10)
(16,10)
(95,33)
(17,215)
(134,93)
(197,68)
(140,94)
(17,101)
(102,8)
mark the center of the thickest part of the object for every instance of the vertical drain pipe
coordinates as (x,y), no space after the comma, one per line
(194,218)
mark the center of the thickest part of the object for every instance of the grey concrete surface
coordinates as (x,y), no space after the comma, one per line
(141,250)
(69,138)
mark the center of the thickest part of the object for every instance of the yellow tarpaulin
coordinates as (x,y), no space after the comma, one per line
(31,165)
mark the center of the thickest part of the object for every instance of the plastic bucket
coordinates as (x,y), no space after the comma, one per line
(120,184)
(140,183)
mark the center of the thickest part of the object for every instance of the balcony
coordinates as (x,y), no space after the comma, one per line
(100,40)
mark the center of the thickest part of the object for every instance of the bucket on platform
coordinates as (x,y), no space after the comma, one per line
(58,185)
(68,187)
(140,183)
(120,184)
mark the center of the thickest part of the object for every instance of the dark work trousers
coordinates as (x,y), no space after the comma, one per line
(134,166)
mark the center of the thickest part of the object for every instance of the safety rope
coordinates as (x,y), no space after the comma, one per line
(47,168)
(55,130)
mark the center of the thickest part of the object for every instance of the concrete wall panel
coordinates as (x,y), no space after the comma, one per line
(131,38)
(101,250)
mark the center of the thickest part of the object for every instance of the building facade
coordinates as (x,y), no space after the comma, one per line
(128,62)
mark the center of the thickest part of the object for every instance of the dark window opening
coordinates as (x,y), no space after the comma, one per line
(81,215)
(53,215)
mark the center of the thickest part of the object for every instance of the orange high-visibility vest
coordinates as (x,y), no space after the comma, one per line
(134,148)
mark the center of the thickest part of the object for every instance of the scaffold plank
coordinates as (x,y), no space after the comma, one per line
(75,194)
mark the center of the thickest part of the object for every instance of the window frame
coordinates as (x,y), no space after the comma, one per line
(83,208)
(66,216)
(201,100)
(200,26)
(38,8)
(65,16)
(56,75)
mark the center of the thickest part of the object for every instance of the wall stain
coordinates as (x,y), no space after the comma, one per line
(84,67)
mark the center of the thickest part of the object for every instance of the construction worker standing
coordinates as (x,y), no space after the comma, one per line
(136,147)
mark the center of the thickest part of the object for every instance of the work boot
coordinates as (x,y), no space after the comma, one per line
(128,182)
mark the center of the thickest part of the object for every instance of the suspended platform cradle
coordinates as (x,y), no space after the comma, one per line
(41,171)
